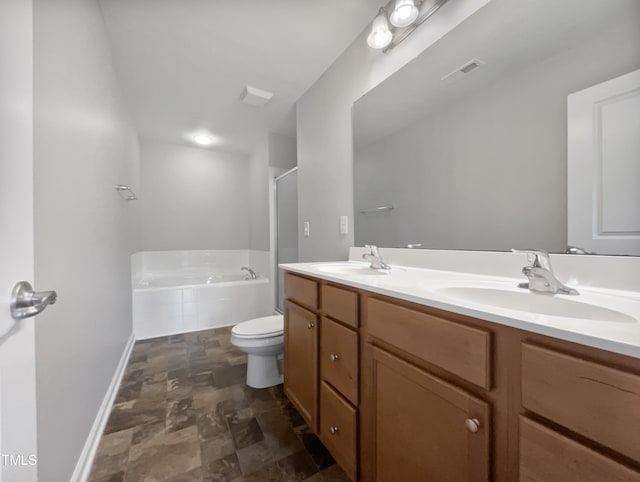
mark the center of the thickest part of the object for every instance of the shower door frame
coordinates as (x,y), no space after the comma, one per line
(275,225)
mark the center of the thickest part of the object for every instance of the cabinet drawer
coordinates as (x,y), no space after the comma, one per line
(338,428)
(339,358)
(301,290)
(340,304)
(459,349)
(594,400)
(547,456)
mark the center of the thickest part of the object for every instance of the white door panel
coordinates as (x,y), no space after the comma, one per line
(17,351)
(604,166)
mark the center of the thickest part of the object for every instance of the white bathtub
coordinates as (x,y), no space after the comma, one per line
(182,291)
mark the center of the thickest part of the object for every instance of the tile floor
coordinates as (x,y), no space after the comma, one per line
(183,413)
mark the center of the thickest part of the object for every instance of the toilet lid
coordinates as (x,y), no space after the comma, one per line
(260,327)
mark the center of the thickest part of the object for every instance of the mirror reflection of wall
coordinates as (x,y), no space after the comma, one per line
(479,160)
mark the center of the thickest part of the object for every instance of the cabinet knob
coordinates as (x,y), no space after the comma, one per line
(472,424)
(333,430)
(310,325)
(334,357)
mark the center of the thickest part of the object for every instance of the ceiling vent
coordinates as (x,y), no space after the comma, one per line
(462,71)
(254,96)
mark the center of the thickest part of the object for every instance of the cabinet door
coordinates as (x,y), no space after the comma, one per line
(301,361)
(425,428)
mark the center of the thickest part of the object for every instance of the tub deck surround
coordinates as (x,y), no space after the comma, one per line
(420,285)
(182,291)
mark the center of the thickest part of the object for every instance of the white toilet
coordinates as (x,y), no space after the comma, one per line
(263,340)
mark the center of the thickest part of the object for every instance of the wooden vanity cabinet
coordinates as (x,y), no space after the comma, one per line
(426,428)
(399,391)
(301,361)
(321,363)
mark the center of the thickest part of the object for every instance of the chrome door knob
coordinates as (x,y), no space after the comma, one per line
(333,430)
(333,357)
(26,303)
(310,325)
(472,424)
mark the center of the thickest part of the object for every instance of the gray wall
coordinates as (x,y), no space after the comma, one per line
(84,143)
(282,151)
(192,198)
(258,194)
(276,151)
(488,171)
(324,130)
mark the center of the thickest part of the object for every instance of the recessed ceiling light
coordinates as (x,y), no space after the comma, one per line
(202,139)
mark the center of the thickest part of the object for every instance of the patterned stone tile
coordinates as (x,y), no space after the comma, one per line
(180,414)
(183,413)
(112,455)
(117,477)
(210,425)
(334,474)
(225,469)
(231,375)
(268,473)
(299,466)
(217,447)
(314,447)
(121,417)
(294,416)
(195,475)
(142,433)
(164,456)
(244,428)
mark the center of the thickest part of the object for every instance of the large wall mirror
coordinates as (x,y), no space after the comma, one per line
(519,128)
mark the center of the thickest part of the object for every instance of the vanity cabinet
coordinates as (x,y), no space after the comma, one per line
(321,362)
(301,361)
(401,391)
(426,428)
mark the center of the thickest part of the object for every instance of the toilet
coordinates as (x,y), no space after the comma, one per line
(263,340)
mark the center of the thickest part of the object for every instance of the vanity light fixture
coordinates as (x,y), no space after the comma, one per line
(380,36)
(404,13)
(404,18)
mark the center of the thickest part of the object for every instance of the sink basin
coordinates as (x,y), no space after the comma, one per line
(348,269)
(543,304)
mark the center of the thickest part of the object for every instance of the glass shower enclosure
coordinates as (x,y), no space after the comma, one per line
(286,227)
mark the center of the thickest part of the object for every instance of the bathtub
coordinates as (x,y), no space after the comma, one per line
(183,291)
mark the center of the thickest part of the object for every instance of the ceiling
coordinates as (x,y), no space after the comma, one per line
(183,64)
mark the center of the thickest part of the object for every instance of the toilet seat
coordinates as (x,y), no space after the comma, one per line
(265,327)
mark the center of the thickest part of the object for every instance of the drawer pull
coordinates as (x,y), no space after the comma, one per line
(334,357)
(333,430)
(310,325)
(472,424)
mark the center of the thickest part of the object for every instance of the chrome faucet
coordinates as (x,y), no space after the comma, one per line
(540,274)
(252,274)
(374,257)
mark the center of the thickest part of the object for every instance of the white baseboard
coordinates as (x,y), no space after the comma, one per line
(85,462)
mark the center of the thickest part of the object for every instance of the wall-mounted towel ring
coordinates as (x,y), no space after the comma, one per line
(126,191)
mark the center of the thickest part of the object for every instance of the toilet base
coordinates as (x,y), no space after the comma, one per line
(263,371)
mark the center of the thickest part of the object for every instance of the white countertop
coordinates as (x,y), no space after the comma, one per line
(422,286)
